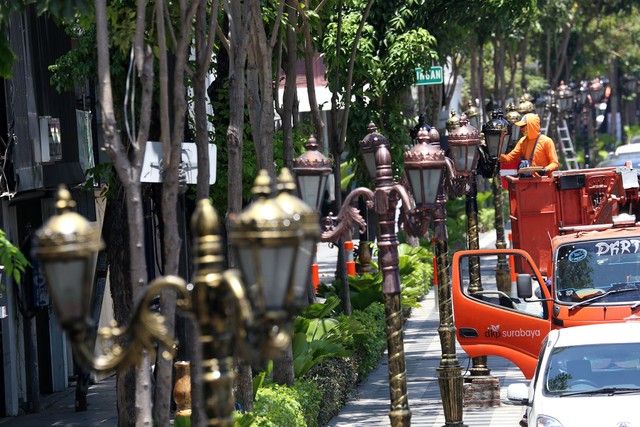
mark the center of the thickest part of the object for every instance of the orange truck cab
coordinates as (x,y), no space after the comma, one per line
(576,260)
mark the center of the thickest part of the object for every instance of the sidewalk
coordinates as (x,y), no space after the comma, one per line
(58,409)
(422,356)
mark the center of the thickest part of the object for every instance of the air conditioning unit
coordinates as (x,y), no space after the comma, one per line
(50,140)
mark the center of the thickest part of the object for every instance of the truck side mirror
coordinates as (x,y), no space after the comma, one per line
(525,288)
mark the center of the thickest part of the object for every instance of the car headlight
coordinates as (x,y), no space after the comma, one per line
(545,421)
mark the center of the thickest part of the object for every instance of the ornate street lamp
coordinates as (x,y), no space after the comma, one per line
(512,117)
(251,315)
(564,98)
(473,114)
(368,148)
(540,106)
(463,143)
(495,133)
(526,106)
(583,92)
(309,220)
(449,371)
(424,165)
(596,90)
(311,170)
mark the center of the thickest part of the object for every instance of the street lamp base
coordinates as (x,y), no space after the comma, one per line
(481,392)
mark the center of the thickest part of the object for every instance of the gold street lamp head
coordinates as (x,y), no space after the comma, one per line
(67,246)
(565,97)
(266,239)
(473,114)
(311,169)
(526,104)
(513,116)
(453,122)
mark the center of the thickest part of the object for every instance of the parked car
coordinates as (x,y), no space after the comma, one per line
(621,159)
(586,376)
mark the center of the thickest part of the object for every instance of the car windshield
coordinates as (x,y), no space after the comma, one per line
(589,270)
(592,368)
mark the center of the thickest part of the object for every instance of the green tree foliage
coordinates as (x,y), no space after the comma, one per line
(60,9)
(12,259)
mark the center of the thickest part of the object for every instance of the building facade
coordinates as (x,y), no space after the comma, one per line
(46,139)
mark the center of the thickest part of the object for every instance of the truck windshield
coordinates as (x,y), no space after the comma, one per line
(585,270)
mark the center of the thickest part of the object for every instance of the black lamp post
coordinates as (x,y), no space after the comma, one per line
(596,94)
(496,134)
(512,117)
(565,98)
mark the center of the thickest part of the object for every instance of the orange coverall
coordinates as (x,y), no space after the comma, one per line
(545,154)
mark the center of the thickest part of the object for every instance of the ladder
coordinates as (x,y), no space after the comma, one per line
(544,124)
(566,145)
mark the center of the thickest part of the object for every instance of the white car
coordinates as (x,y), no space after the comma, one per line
(586,376)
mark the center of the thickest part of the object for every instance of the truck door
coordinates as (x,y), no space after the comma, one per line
(490,319)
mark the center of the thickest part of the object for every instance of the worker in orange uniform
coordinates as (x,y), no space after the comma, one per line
(534,148)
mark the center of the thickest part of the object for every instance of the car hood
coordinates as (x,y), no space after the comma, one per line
(594,410)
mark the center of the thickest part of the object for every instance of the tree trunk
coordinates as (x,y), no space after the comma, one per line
(309,53)
(523,64)
(290,88)
(237,59)
(122,295)
(128,165)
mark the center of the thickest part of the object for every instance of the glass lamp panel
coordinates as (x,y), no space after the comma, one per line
(276,273)
(66,280)
(248,267)
(504,137)
(515,134)
(311,189)
(302,269)
(582,96)
(459,154)
(370,163)
(471,156)
(424,183)
(493,142)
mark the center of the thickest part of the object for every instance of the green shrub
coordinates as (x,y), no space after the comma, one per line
(335,379)
(370,346)
(416,273)
(317,336)
(278,405)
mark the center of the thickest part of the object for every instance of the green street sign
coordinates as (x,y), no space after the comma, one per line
(433,76)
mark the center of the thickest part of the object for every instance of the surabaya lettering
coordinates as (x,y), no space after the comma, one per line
(495,332)
(618,247)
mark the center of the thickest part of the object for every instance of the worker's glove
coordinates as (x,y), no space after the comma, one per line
(543,172)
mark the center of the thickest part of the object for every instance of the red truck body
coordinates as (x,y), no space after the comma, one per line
(576,243)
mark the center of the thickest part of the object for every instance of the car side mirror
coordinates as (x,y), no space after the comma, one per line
(519,393)
(524,286)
